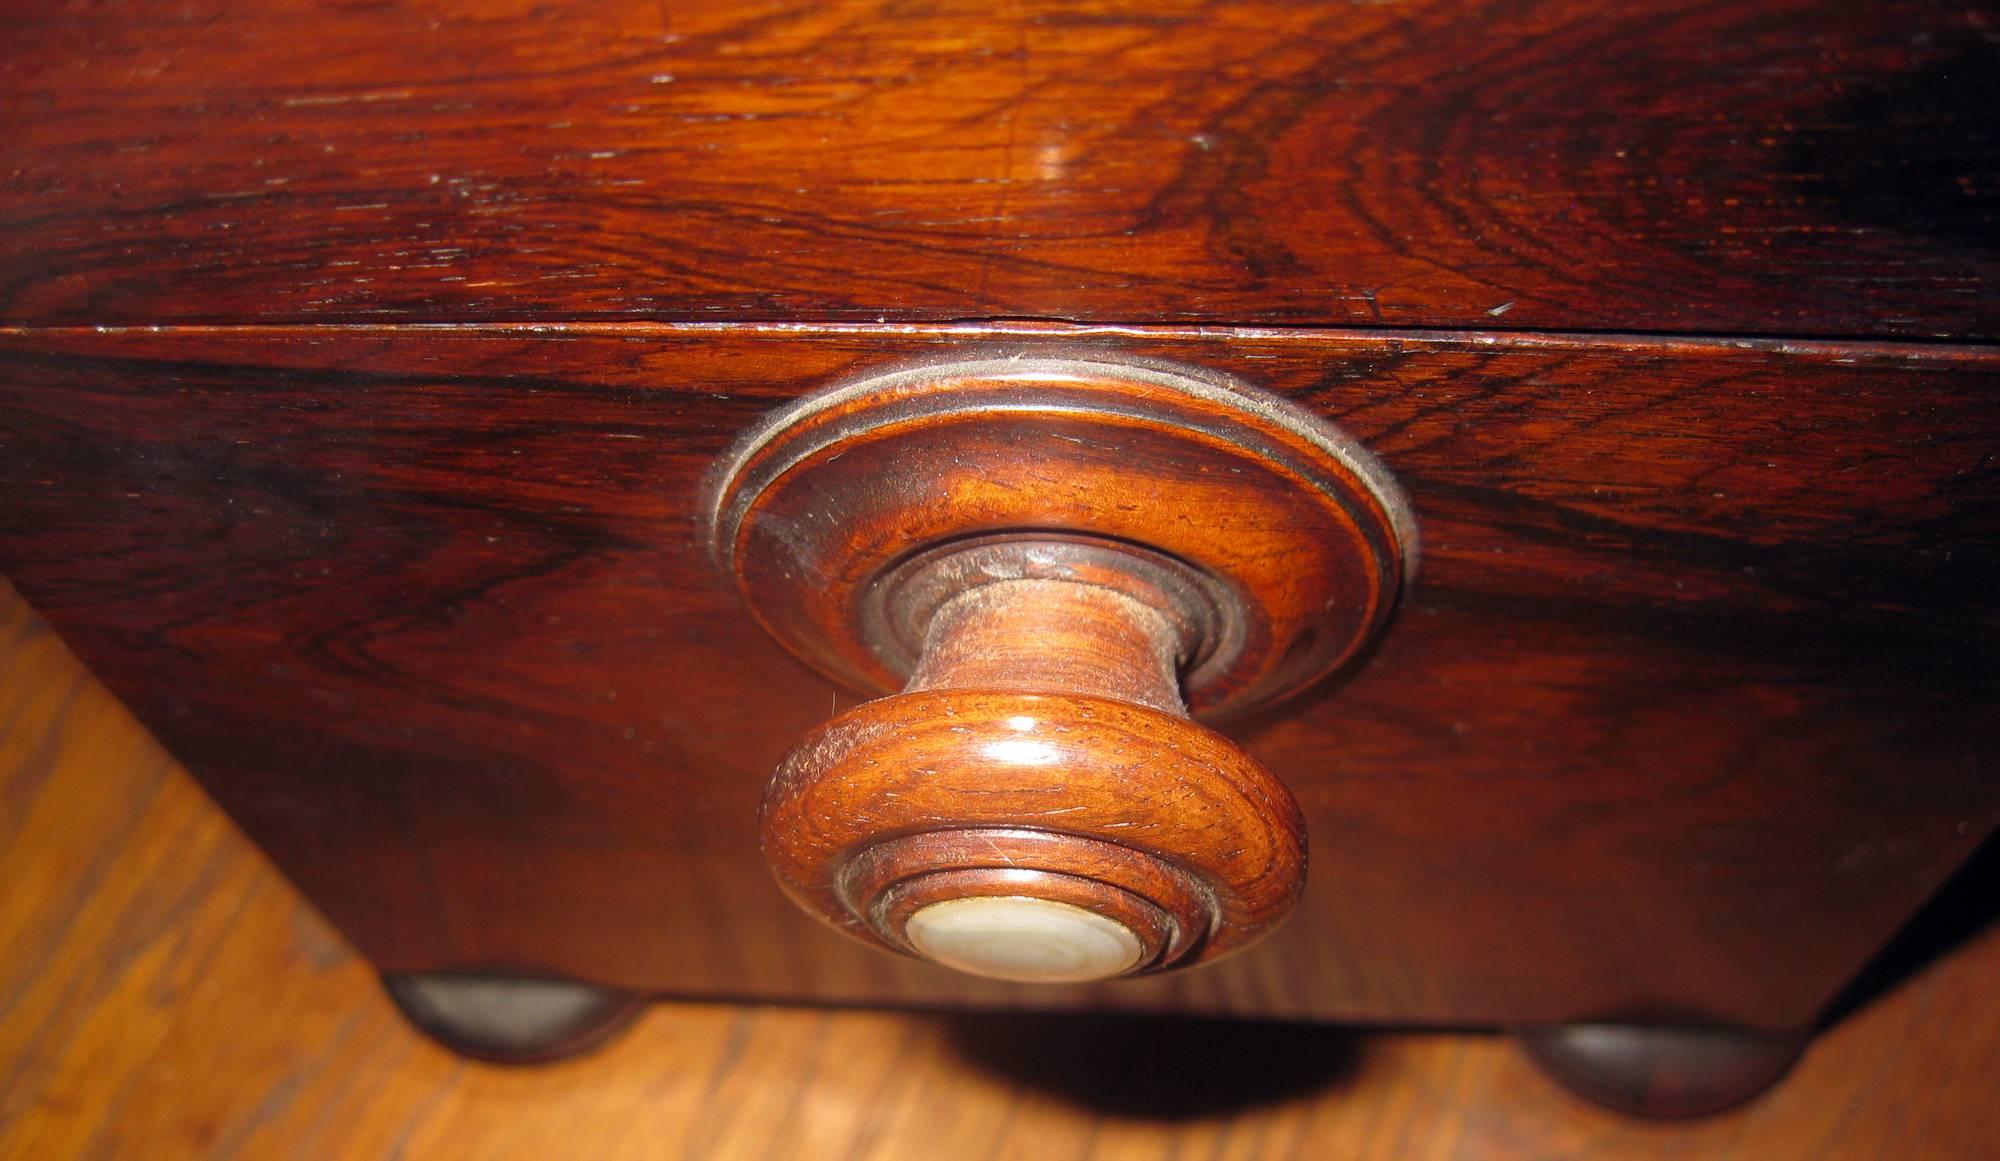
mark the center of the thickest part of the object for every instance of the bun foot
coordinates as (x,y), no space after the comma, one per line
(512,1019)
(1662,1070)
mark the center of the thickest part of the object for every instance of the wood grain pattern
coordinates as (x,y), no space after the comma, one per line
(1688,710)
(1178,795)
(1666,165)
(165,994)
(1061,559)
(1279,539)
(1130,810)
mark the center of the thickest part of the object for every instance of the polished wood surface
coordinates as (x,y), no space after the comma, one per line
(1061,558)
(1113,781)
(165,994)
(1775,167)
(1685,713)
(1196,839)
(1280,541)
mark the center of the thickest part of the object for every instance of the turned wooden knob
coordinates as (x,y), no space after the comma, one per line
(1043,729)
(1053,561)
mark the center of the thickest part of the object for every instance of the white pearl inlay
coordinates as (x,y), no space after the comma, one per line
(1019,937)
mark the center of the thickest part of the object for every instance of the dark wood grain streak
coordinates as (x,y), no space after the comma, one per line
(1670,165)
(1689,706)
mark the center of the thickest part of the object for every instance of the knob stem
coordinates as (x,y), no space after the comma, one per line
(1054,636)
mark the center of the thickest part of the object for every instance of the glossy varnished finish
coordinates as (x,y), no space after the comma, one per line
(1273,541)
(1060,556)
(1686,712)
(1124,776)
(1775,167)
(1116,787)
(168,995)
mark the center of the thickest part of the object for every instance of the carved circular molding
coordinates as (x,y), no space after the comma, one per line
(1286,519)
(1156,806)
(1056,562)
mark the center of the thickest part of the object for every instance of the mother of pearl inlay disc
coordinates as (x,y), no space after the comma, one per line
(1019,937)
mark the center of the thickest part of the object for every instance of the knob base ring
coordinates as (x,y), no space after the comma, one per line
(1292,528)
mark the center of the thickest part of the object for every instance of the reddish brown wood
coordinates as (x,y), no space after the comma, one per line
(1689,707)
(1055,636)
(1272,541)
(1044,548)
(1049,706)
(1682,165)
(172,995)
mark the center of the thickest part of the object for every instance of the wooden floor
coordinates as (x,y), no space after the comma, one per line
(164,994)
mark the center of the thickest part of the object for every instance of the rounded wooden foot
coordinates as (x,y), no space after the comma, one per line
(512,1019)
(1663,1070)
